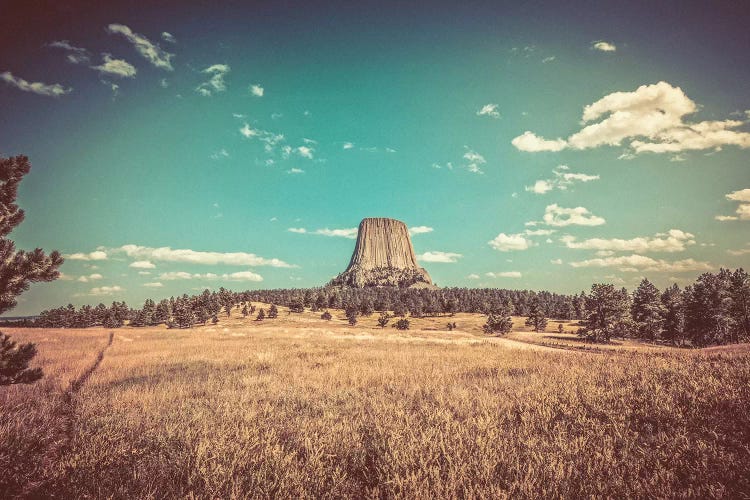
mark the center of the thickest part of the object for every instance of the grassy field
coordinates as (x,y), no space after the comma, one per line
(299,407)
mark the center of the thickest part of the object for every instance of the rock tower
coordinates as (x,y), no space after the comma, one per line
(383,256)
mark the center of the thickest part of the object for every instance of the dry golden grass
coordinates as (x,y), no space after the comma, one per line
(297,407)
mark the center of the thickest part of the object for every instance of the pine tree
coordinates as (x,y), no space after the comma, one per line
(244,311)
(536,318)
(326,316)
(273,312)
(647,311)
(18,269)
(383,319)
(402,324)
(261,315)
(607,312)
(673,327)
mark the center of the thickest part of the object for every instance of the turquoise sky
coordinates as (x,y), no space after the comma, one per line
(528,145)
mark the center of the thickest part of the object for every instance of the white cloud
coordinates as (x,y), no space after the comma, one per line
(489,110)
(249,132)
(144,273)
(673,240)
(216,83)
(54,90)
(238,276)
(743,209)
(90,277)
(548,59)
(641,263)
(348,145)
(168,254)
(603,46)
(436,256)
(256,90)
(555,215)
(539,232)
(168,37)
(298,230)
(155,284)
(97,255)
(541,187)
(350,233)
(294,170)
(153,53)
(76,55)
(220,154)
(106,290)
(116,67)
(419,230)
(504,274)
(142,264)
(651,118)
(474,159)
(741,251)
(305,152)
(530,142)
(473,276)
(556,261)
(507,242)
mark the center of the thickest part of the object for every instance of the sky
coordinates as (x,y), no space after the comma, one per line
(179,146)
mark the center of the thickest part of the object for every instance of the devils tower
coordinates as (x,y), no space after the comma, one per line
(383,256)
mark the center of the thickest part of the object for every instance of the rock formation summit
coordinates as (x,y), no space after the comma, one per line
(383,256)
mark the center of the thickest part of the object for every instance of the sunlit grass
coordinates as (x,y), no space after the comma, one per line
(301,408)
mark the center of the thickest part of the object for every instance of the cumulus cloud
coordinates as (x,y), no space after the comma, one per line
(504,274)
(90,277)
(167,254)
(116,67)
(54,90)
(216,83)
(96,255)
(530,142)
(603,46)
(489,110)
(555,215)
(508,242)
(256,90)
(673,240)
(106,290)
(76,55)
(435,256)
(473,276)
(143,264)
(562,180)
(153,53)
(651,118)
(641,263)
(743,210)
(350,233)
(419,230)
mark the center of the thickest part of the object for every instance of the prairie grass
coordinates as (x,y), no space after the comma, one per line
(302,408)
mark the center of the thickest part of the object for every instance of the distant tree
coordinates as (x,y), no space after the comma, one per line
(402,324)
(161,313)
(399,309)
(383,319)
(244,311)
(500,323)
(673,315)
(739,290)
(647,311)
(607,312)
(536,318)
(351,315)
(183,313)
(326,316)
(273,312)
(297,306)
(560,328)
(365,307)
(450,326)
(228,309)
(214,319)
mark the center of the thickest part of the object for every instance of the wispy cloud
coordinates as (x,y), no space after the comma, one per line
(305,152)
(188,256)
(238,276)
(436,256)
(474,161)
(54,90)
(216,83)
(96,255)
(142,264)
(504,274)
(106,290)
(563,180)
(115,67)
(489,110)
(151,52)
(168,37)
(294,170)
(220,154)
(76,55)
(673,240)
(641,263)
(603,46)
(348,145)
(155,284)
